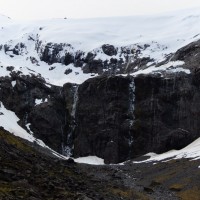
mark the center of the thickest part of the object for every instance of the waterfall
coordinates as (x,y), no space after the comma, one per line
(25,119)
(130,59)
(73,113)
(131,110)
(68,149)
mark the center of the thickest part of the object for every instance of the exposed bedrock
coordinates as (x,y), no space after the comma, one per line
(167,112)
(43,109)
(116,121)
(112,117)
(104,60)
(104,118)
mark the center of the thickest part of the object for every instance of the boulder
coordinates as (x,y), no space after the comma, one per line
(109,50)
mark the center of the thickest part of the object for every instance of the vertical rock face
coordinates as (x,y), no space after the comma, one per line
(115,118)
(43,110)
(104,118)
(118,118)
(167,112)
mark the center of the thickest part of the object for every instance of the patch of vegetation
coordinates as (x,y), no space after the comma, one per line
(26,173)
(128,194)
(15,141)
(193,193)
(177,187)
(163,177)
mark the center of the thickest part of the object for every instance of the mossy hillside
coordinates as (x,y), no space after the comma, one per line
(26,173)
(193,193)
(15,141)
(129,193)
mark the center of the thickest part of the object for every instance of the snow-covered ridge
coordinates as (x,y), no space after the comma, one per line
(154,36)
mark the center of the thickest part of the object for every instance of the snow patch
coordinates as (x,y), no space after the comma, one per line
(91,160)
(28,128)
(168,67)
(13,83)
(191,151)
(8,120)
(40,101)
(155,37)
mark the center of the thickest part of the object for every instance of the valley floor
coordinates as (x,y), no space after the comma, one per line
(30,173)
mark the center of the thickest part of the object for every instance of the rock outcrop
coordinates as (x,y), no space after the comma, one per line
(104,60)
(40,107)
(113,117)
(117,121)
(166,112)
(104,118)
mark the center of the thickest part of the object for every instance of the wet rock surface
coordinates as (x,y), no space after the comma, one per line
(164,115)
(113,117)
(166,112)
(104,117)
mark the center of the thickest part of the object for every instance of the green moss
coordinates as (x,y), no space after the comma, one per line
(5,190)
(128,194)
(177,187)
(193,193)
(165,176)
(15,141)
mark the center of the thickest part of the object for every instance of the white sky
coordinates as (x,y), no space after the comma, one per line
(41,9)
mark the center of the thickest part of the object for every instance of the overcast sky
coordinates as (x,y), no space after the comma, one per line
(40,9)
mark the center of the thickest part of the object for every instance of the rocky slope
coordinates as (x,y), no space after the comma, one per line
(28,171)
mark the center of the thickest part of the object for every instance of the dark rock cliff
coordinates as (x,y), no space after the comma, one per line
(104,118)
(119,118)
(166,112)
(115,118)
(50,119)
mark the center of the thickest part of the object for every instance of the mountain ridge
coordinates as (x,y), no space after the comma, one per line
(50,47)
